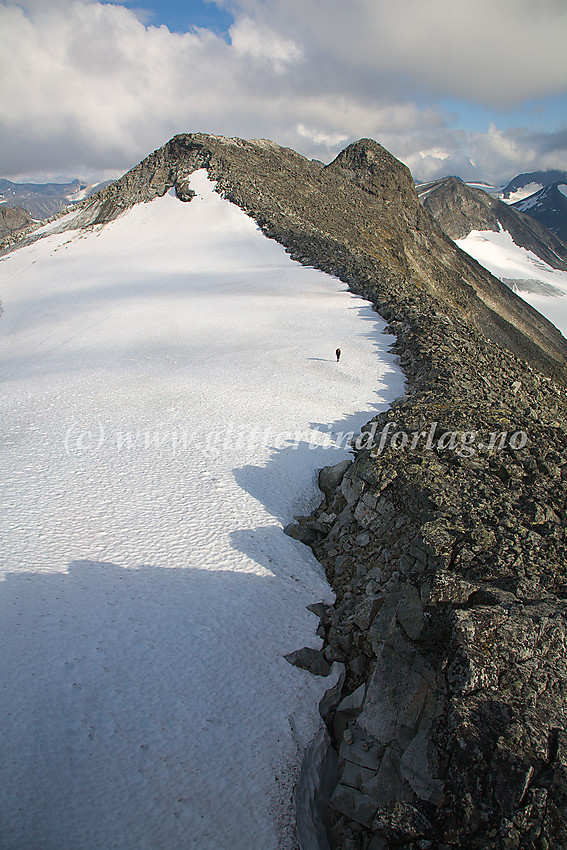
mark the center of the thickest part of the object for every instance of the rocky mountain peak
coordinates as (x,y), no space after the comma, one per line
(374,169)
(358,218)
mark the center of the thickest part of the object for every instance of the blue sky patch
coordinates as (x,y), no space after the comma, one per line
(183,15)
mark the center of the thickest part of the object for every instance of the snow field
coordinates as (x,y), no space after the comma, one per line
(167,381)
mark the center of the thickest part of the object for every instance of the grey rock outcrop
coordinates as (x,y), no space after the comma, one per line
(309,659)
(330,477)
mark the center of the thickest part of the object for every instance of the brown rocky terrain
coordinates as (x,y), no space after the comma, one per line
(444,539)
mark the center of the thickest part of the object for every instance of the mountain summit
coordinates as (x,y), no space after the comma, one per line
(358,217)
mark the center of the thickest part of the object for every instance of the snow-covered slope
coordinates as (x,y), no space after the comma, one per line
(495,191)
(540,285)
(87,191)
(167,384)
(521,193)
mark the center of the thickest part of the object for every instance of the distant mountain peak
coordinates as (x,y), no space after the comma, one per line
(42,200)
(535,178)
(548,206)
(459,209)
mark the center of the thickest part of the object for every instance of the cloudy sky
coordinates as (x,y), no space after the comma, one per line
(476,88)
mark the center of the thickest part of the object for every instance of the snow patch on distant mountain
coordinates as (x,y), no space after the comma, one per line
(87,191)
(529,202)
(535,179)
(495,191)
(549,207)
(520,194)
(536,282)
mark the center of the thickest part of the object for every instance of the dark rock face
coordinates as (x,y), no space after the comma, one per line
(445,540)
(309,659)
(459,208)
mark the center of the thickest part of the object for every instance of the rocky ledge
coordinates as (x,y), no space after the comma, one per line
(449,564)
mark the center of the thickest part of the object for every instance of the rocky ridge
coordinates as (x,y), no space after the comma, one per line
(447,551)
(358,218)
(449,564)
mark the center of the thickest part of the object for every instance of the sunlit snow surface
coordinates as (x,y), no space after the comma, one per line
(498,253)
(522,192)
(162,379)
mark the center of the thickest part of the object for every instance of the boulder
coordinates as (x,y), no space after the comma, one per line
(330,478)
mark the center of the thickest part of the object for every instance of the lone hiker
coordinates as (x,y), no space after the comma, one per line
(338,353)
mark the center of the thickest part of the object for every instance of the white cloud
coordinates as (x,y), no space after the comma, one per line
(263,45)
(319,137)
(518,150)
(497,53)
(87,87)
